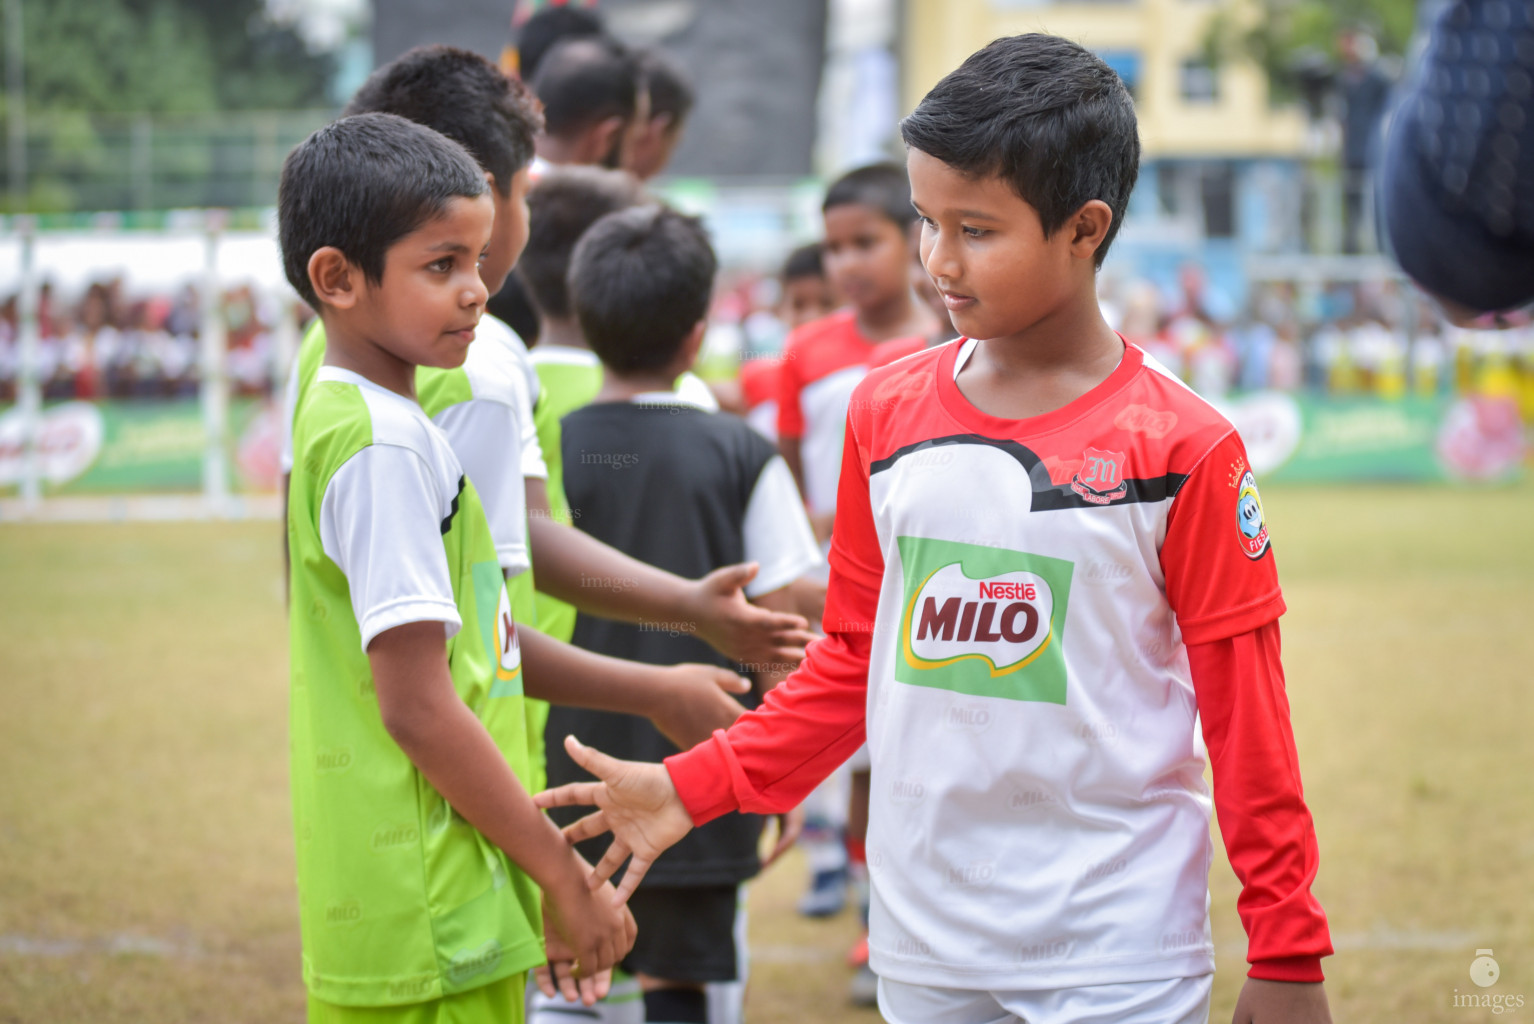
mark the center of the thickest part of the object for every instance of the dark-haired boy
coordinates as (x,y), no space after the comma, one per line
(1039,835)
(593,103)
(669,98)
(485,409)
(420,854)
(686,489)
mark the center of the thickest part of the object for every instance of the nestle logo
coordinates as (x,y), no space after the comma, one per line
(344,913)
(1043,951)
(1182,940)
(904,791)
(387,837)
(912,947)
(1097,872)
(332,759)
(968,717)
(1029,798)
(976,875)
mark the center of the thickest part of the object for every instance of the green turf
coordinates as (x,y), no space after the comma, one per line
(145,864)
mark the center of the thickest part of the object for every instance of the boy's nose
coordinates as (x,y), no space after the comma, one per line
(475,293)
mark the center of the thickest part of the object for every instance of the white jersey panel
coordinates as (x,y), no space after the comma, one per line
(824,403)
(382,512)
(1042,834)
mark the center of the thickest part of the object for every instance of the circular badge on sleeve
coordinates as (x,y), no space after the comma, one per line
(1249,519)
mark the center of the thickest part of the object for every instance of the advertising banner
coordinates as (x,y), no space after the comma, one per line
(94,448)
(1323,439)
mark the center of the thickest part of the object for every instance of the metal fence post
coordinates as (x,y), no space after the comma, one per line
(29,394)
(215,385)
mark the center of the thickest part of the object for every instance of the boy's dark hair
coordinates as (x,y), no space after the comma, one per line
(803,262)
(641,279)
(561,207)
(883,187)
(668,85)
(584,81)
(550,27)
(463,96)
(361,184)
(1044,114)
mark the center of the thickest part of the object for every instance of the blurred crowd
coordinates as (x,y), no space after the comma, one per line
(1374,337)
(108,343)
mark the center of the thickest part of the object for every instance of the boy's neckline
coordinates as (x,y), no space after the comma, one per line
(967,414)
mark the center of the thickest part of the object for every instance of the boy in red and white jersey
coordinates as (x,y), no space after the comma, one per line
(1050,565)
(867,255)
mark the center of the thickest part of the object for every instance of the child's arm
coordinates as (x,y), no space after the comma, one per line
(770,759)
(713,608)
(442,738)
(685,702)
(1222,584)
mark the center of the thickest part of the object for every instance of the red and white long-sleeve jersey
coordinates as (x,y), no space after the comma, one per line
(1027,618)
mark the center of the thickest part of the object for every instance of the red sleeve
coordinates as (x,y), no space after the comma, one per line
(1267,829)
(807,725)
(1218,564)
(790,383)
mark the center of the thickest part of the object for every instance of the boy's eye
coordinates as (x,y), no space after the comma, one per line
(976,232)
(442,266)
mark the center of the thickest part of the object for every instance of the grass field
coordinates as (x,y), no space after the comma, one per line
(146,872)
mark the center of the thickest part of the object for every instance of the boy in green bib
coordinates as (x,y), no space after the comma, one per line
(420,854)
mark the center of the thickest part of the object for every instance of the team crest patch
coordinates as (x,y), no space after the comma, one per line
(983,621)
(1101,476)
(1249,519)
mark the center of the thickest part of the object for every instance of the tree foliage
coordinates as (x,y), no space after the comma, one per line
(165,56)
(1291,38)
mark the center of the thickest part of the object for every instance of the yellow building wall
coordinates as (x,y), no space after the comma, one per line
(939,34)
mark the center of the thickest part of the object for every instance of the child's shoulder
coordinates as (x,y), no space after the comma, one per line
(346,408)
(841,325)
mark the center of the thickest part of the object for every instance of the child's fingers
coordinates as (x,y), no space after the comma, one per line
(631,878)
(608,866)
(597,988)
(790,656)
(542,974)
(729,682)
(569,988)
(589,827)
(593,760)
(571,794)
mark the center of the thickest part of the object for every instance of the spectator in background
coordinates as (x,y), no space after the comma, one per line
(1457,180)
(806,290)
(670,98)
(1364,88)
(547,29)
(592,103)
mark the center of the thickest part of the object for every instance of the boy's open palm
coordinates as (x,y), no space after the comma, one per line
(635,802)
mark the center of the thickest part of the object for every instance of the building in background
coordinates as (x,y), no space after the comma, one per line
(1223,173)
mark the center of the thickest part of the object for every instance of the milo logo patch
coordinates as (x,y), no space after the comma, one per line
(982,620)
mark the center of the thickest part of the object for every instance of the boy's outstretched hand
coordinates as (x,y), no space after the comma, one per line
(696,702)
(738,629)
(1281,1002)
(635,802)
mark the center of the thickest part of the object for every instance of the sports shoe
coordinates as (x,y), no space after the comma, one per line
(865,987)
(827,894)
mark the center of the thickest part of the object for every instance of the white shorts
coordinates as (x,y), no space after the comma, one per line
(1175,1001)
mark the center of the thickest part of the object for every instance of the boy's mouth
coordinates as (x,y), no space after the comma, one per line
(956,301)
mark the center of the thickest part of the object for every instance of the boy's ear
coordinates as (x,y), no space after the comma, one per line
(333,277)
(1088,227)
(602,139)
